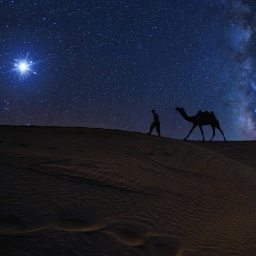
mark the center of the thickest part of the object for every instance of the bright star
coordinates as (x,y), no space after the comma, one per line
(23,67)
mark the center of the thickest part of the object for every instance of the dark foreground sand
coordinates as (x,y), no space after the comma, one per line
(79,191)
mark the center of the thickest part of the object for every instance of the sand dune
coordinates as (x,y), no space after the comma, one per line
(81,191)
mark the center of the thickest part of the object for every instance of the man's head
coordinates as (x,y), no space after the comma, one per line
(153,111)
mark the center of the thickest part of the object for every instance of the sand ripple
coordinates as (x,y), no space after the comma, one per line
(78,191)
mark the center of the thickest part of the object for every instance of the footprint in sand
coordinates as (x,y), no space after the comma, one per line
(134,235)
(67,223)
(165,246)
(127,233)
(71,224)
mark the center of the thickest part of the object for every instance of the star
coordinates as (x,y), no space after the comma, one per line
(100,68)
(23,67)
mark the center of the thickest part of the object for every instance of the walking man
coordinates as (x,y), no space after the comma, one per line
(155,123)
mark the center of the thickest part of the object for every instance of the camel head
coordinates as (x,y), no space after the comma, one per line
(179,109)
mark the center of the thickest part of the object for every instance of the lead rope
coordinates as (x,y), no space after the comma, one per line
(174,123)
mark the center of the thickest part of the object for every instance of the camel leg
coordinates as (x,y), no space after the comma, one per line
(213,132)
(202,132)
(194,126)
(218,127)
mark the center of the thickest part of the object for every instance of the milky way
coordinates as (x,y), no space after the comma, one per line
(108,63)
(242,25)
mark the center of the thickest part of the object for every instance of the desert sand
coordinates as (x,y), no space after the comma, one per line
(83,191)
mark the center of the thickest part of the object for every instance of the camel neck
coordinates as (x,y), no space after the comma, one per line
(185,116)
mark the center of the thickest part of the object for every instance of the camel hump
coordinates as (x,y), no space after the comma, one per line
(205,115)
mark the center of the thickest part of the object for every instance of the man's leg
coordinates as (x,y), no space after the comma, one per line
(152,126)
(158,129)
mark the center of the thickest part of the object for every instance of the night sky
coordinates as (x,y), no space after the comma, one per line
(106,64)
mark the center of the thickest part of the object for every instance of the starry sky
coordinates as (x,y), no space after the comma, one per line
(106,64)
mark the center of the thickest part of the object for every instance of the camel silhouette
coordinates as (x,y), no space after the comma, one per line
(201,119)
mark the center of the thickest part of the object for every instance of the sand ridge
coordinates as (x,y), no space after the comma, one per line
(81,191)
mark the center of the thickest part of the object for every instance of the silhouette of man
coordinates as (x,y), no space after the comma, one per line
(155,123)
